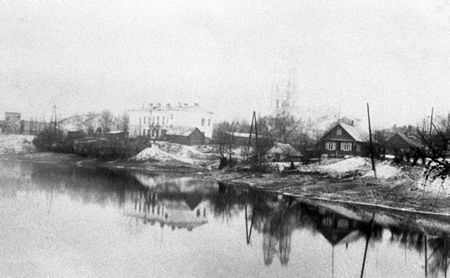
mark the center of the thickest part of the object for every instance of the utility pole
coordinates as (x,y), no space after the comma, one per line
(431,120)
(371,144)
(255,124)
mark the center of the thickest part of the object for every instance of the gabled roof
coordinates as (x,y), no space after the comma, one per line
(284,149)
(410,140)
(357,135)
(181,131)
(353,132)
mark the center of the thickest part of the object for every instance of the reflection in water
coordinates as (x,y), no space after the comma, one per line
(274,222)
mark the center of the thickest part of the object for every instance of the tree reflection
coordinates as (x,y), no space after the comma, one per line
(178,203)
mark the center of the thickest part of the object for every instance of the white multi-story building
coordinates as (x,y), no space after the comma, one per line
(156,120)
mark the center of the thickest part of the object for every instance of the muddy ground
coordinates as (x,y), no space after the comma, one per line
(399,192)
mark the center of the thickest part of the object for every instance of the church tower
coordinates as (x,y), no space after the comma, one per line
(285,94)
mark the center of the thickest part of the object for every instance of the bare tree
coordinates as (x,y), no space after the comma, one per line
(435,138)
(224,139)
(107,119)
(283,127)
(124,121)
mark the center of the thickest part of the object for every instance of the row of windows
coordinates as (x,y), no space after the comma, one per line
(165,120)
(154,120)
(203,122)
(331,146)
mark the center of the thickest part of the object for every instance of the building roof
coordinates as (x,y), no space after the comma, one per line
(410,140)
(356,134)
(181,131)
(180,107)
(284,149)
(353,132)
(116,132)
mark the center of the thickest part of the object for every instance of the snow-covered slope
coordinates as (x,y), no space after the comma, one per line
(16,143)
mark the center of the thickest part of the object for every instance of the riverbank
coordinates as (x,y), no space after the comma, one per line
(348,181)
(403,189)
(72,160)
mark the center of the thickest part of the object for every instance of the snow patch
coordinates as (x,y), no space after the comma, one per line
(438,186)
(16,143)
(155,153)
(385,170)
(358,166)
(165,151)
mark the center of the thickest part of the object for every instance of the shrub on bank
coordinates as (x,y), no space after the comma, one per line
(49,140)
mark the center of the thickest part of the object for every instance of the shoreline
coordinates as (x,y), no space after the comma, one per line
(397,194)
(393,194)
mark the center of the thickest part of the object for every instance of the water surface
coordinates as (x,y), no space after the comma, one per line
(61,221)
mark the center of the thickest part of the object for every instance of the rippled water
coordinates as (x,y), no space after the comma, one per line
(60,221)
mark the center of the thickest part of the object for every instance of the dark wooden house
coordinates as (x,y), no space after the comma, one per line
(116,135)
(185,136)
(342,140)
(402,143)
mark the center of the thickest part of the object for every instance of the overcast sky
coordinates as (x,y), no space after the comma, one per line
(94,55)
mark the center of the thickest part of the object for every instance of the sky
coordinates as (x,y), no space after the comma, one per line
(227,55)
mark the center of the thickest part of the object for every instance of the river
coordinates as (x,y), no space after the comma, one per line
(64,221)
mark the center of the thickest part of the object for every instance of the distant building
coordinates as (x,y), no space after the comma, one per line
(31,127)
(282,152)
(402,143)
(185,136)
(156,121)
(342,140)
(117,135)
(284,97)
(89,123)
(11,123)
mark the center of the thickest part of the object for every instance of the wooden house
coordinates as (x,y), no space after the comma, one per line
(402,143)
(185,136)
(283,152)
(342,140)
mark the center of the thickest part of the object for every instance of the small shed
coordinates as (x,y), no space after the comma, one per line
(282,152)
(116,135)
(185,136)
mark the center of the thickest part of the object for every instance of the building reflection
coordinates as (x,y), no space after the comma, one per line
(186,203)
(276,218)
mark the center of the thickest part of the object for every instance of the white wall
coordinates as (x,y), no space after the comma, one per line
(164,117)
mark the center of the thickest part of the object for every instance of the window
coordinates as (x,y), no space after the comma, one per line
(203,122)
(346,147)
(342,223)
(339,132)
(330,146)
(157,120)
(163,120)
(209,122)
(140,120)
